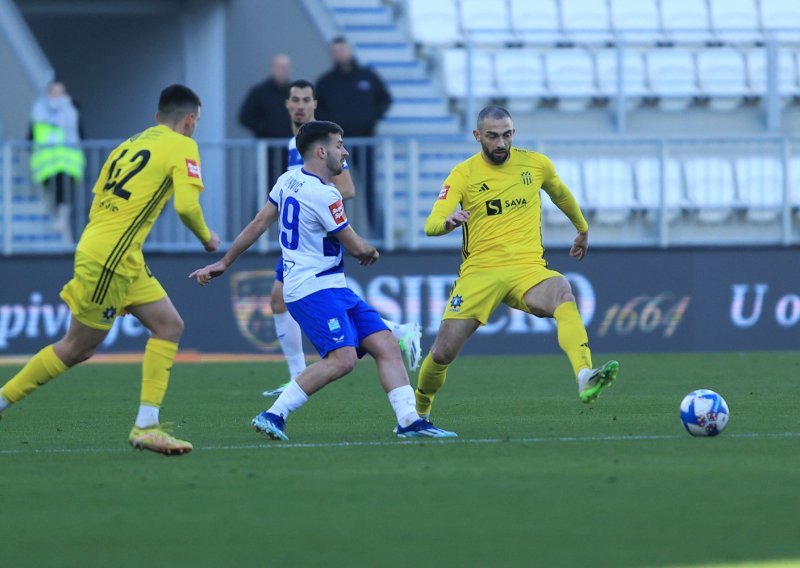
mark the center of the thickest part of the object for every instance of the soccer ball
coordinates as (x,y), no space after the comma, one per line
(704,413)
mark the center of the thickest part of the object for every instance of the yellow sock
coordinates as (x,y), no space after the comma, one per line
(40,370)
(572,336)
(431,378)
(156,366)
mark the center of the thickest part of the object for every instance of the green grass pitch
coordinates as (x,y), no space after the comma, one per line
(535,479)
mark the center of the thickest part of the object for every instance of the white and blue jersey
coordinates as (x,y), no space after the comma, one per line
(311,211)
(295,161)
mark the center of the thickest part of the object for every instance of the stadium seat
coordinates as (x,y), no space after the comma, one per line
(485,22)
(634,76)
(433,23)
(735,20)
(685,20)
(648,187)
(454,68)
(672,76)
(794,185)
(635,20)
(536,21)
(570,77)
(787,72)
(570,173)
(586,21)
(710,188)
(760,181)
(520,73)
(609,189)
(781,19)
(722,76)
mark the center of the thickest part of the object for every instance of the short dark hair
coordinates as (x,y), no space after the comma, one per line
(303,84)
(494,112)
(176,101)
(314,131)
(339,39)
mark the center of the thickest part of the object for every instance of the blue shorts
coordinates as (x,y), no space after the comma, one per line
(279,270)
(335,318)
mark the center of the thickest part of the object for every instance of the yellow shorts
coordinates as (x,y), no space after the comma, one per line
(478,291)
(97,302)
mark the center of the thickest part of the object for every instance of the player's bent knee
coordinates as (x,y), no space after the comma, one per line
(442,356)
(343,361)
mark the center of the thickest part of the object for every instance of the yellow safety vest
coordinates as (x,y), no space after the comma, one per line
(52,156)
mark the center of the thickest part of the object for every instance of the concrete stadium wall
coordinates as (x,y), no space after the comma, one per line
(631,301)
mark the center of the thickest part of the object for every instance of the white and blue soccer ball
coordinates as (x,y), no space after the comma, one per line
(704,413)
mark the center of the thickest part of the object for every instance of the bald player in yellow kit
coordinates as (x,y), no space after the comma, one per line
(110,276)
(497,190)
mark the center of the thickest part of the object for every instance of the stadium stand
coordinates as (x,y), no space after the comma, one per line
(485,21)
(760,182)
(711,189)
(537,22)
(634,74)
(636,20)
(571,78)
(648,187)
(609,189)
(781,19)
(722,77)
(735,20)
(586,21)
(685,20)
(671,72)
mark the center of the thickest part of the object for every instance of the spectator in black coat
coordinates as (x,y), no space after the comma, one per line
(350,95)
(264,110)
(356,98)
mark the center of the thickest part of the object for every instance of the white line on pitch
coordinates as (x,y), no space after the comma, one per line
(275,445)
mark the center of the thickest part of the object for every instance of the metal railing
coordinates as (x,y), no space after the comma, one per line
(635,192)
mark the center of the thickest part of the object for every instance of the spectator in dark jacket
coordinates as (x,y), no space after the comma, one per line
(356,98)
(353,96)
(264,110)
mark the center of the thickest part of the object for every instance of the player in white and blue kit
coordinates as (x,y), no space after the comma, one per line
(314,234)
(301,105)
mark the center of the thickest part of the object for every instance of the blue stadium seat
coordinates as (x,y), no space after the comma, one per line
(722,76)
(735,20)
(710,188)
(685,20)
(633,69)
(586,21)
(760,181)
(570,77)
(672,76)
(787,72)
(454,68)
(609,189)
(485,22)
(520,73)
(636,20)
(433,23)
(781,19)
(648,180)
(537,22)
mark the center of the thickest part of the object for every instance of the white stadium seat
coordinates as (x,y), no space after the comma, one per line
(570,77)
(609,189)
(454,68)
(672,76)
(536,21)
(781,19)
(636,20)
(586,21)
(485,22)
(710,187)
(735,20)
(648,187)
(722,76)
(787,71)
(520,73)
(433,23)
(685,20)
(634,76)
(760,181)
(570,173)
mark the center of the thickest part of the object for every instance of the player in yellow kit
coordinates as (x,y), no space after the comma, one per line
(502,254)
(110,276)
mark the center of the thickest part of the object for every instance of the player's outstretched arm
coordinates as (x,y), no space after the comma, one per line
(580,245)
(249,235)
(357,246)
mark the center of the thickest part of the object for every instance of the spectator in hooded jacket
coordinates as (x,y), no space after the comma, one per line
(264,110)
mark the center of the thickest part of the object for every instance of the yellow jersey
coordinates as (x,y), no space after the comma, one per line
(137,179)
(503,200)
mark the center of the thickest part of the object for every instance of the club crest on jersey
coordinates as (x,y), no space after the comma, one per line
(526,178)
(443,192)
(337,212)
(192,169)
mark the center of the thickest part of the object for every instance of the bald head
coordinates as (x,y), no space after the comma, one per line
(281,68)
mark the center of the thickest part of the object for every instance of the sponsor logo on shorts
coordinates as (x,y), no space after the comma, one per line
(443,192)
(192,169)
(455,303)
(334,325)
(337,212)
(109,313)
